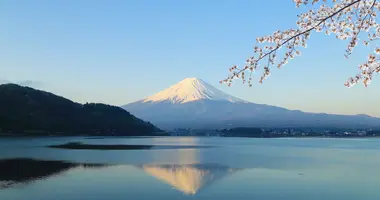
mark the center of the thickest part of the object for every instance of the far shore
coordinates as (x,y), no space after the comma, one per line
(87,136)
(74,135)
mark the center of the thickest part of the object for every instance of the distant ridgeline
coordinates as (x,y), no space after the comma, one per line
(24,110)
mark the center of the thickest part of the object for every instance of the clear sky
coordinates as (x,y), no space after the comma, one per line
(117,52)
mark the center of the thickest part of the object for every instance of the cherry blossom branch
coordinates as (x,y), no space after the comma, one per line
(346,19)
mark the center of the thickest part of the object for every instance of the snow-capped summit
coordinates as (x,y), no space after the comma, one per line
(191,89)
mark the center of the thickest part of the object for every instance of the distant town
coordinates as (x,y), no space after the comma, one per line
(277,132)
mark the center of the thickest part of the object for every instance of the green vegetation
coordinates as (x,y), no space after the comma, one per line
(243,132)
(82,146)
(374,133)
(78,145)
(28,111)
(298,132)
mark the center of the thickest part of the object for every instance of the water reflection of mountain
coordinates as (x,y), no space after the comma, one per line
(191,178)
(15,171)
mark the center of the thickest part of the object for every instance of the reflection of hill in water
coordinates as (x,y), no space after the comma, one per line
(189,179)
(14,171)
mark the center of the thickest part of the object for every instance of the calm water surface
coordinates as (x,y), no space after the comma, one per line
(234,168)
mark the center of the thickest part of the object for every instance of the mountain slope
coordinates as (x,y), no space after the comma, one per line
(26,110)
(193,103)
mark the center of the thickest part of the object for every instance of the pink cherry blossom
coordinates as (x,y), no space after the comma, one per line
(346,19)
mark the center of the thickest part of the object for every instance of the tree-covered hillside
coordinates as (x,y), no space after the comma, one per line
(25,110)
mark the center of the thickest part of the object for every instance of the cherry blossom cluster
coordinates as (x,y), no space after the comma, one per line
(346,19)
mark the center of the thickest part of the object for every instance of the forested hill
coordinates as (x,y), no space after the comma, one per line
(25,110)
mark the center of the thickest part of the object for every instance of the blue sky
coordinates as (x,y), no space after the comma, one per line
(117,52)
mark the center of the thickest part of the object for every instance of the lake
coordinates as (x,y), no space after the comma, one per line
(229,168)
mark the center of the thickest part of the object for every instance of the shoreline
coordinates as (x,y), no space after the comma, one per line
(149,136)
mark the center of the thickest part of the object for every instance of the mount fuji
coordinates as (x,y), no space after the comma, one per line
(193,103)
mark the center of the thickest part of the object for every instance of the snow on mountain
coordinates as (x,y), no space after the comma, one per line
(193,103)
(191,89)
